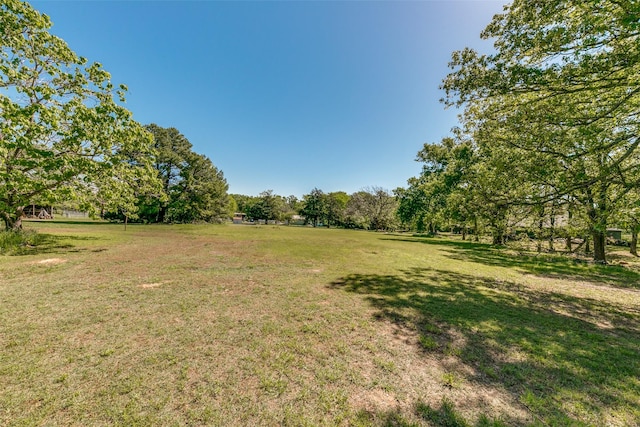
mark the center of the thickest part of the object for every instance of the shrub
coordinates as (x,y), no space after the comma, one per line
(17,242)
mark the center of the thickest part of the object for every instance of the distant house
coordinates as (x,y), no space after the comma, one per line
(297,220)
(239,217)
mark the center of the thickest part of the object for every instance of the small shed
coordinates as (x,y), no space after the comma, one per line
(614,233)
(38,211)
(238,217)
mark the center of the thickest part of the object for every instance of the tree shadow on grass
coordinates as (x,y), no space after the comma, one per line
(445,415)
(53,243)
(82,222)
(543,265)
(568,360)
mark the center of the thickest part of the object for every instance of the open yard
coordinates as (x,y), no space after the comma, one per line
(265,325)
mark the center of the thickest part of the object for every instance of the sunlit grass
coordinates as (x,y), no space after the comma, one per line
(247,325)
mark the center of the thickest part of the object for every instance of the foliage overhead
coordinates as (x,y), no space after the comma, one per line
(64,134)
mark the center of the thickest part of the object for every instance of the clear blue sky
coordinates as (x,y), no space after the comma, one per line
(285,95)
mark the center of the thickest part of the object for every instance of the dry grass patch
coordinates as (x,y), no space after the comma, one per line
(151,285)
(50,261)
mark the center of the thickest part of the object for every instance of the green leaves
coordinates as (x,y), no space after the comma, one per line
(201,193)
(62,133)
(189,187)
(558,102)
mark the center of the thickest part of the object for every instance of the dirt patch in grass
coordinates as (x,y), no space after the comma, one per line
(50,261)
(374,401)
(151,285)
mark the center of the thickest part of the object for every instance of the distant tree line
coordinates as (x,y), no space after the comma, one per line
(371,209)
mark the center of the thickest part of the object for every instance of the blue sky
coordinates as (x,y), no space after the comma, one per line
(285,95)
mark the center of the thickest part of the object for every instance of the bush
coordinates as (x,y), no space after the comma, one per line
(17,242)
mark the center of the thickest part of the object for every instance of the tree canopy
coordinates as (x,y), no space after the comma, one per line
(193,189)
(64,134)
(558,103)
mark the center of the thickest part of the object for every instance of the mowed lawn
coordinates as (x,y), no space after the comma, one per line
(264,325)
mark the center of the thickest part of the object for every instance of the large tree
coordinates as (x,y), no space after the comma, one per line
(462,185)
(200,193)
(63,133)
(314,206)
(173,151)
(193,189)
(445,169)
(268,206)
(561,94)
(372,208)
(336,208)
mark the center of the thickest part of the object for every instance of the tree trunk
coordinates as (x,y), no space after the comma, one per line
(162,213)
(597,211)
(633,246)
(499,235)
(552,229)
(569,223)
(464,232)
(13,222)
(476,232)
(499,225)
(540,229)
(539,237)
(498,238)
(599,244)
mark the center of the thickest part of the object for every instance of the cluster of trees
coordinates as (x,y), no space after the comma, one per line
(266,206)
(370,209)
(64,134)
(373,208)
(549,127)
(65,137)
(192,188)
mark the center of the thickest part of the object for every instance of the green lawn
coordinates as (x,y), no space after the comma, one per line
(263,325)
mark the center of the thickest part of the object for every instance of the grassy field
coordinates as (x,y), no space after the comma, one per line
(264,325)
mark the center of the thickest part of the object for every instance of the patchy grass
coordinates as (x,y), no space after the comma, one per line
(242,325)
